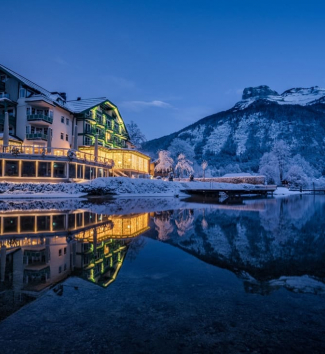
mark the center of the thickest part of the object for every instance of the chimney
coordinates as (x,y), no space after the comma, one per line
(63,95)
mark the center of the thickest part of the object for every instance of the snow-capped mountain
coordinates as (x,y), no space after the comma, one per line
(295,96)
(241,135)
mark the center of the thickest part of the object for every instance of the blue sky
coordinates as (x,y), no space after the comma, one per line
(165,63)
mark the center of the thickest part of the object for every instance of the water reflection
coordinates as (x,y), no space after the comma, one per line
(269,243)
(40,250)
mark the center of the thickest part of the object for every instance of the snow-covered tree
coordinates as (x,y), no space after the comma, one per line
(179,146)
(164,226)
(136,136)
(164,162)
(184,165)
(269,167)
(282,153)
(307,168)
(204,166)
(184,222)
(297,177)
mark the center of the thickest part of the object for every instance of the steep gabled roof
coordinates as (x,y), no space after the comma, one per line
(75,106)
(25,81)
(78,106)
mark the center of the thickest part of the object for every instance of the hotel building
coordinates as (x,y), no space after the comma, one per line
(45,136)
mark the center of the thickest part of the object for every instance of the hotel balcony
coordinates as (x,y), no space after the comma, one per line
(101,123)
(101,136)
(36,136)
(40,118)
(91,131)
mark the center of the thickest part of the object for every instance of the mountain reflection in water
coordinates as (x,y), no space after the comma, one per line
(269,243)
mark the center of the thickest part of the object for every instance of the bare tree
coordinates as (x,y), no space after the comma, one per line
(136,136)
(204,166)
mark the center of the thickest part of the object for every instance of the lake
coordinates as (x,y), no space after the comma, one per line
(163,276)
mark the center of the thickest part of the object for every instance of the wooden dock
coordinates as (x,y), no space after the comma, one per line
(232,193)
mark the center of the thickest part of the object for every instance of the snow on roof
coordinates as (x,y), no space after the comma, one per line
(78,106)
(39,98)
(10,137)
(75,106)
(25,81)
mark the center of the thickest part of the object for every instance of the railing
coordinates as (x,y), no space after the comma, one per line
(43,117)
(101,123)
(36,136)
(4,95)
(45,151)
(91,131)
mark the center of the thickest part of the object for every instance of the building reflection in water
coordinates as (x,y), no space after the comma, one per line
(39,250)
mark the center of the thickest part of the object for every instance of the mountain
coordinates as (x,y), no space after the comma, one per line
(242,134)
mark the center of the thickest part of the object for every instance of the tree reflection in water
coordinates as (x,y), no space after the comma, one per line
(269,243)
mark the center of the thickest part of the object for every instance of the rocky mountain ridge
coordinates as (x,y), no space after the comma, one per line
(241,135)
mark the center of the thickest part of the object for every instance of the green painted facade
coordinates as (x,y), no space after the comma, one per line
(109,126)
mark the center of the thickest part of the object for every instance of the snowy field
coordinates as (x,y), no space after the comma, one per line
(118,186)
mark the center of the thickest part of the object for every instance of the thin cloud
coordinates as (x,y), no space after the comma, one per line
(60,61)
(120,82)
(192,114)
(140,105)
(237,91)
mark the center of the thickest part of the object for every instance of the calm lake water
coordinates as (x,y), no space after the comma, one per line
(143,276)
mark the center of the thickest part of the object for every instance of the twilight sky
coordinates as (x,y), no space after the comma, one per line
(165,63)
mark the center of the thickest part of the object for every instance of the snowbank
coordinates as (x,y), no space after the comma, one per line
(119,186)
(129,186)
(282,191)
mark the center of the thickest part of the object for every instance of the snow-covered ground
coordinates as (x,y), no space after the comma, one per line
(119,186)
(283,191)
